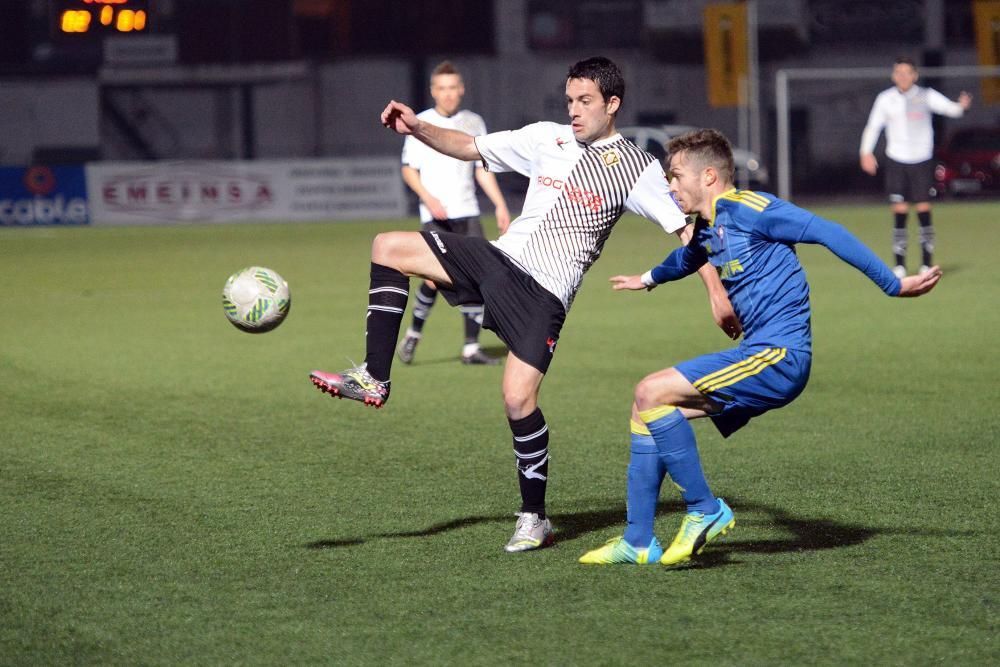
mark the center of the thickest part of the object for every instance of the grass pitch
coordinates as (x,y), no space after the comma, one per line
(173,491)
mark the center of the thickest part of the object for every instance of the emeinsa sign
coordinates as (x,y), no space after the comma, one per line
(266,190)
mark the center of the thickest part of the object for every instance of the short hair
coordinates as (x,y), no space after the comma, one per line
(708,148)
(904,60)
(604,73)
(445,67)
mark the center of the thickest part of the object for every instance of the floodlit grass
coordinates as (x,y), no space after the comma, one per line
(173,491)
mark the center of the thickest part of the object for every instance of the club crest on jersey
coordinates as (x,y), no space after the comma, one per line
(560,142)
(611,158)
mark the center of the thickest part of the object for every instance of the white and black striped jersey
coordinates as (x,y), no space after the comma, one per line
(906,117)
(451,181)
(575,196)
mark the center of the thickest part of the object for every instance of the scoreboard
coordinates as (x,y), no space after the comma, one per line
(99,17)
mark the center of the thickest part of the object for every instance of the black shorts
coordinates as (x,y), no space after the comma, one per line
(909,182)
(464,226)
(522,313)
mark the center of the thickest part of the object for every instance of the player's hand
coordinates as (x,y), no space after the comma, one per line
(869,164)
(399,118)
(725,317)
(503,219)
(437,209)
(965,100)
(921,283)
(627,282)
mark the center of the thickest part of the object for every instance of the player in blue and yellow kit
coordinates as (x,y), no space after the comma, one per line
(749,237)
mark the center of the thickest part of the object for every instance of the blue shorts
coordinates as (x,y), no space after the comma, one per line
(747,381)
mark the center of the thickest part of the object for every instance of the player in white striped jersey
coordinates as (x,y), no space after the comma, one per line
(905,112)
(447,191)
(583,177)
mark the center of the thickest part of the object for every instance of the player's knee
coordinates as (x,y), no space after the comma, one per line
(646,393)
(518,403)
(380,248)
(383,248)
(654,390)
(388,248)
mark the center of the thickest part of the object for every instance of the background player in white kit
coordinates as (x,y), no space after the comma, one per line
(582,178)
(447,191)
(905,112)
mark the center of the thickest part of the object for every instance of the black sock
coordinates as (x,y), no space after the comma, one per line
(422,308)
(473,316)
(926,237)
(899,238)
(531,451)
(387,296)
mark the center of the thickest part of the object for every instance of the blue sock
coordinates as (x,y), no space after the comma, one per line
(645,475)
(678,450)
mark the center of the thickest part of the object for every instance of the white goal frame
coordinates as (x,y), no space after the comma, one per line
(784,77)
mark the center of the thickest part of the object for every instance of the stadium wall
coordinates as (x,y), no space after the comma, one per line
(333,111)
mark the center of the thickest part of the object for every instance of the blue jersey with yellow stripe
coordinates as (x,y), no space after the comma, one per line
(751,243)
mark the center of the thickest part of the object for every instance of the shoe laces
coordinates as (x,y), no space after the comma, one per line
(525,524)
(359,373)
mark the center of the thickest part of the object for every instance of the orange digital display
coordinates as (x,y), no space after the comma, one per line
(102,16)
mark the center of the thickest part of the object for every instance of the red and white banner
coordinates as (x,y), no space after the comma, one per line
(129,193)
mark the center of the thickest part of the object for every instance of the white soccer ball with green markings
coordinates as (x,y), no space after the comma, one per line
(256,299)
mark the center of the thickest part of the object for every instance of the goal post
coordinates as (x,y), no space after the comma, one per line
(783,79)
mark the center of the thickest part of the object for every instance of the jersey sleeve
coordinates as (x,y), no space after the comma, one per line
(650,198)
(510,150)
(680,263)
(412,152)
(873,128)
(787,223)
(940,104)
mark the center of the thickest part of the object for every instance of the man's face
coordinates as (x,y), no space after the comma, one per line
(447,91)
(591,116)
(904,76)
(686,184)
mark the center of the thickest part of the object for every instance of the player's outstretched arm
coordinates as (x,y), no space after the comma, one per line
(628,282)
(920,284)
(400,118)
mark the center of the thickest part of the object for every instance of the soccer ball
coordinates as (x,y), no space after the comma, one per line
(256,299)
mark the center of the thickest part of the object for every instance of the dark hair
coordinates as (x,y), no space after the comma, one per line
(903,60)
(445,67)
(708,148)
(604,73)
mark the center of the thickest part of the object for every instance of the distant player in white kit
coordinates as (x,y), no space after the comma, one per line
(905,112)
(447,191)
(582,178)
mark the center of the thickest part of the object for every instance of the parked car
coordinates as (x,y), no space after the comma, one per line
(750,170)
(969,162)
